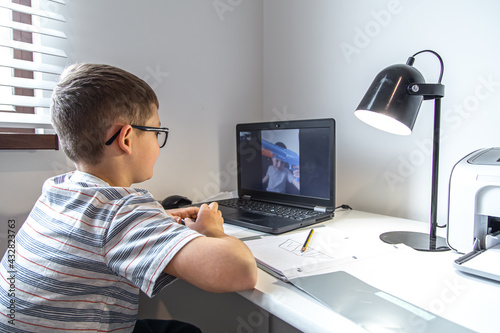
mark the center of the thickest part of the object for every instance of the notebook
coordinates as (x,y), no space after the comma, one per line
(286,175)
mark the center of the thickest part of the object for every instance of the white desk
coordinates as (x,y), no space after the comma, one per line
(427,280)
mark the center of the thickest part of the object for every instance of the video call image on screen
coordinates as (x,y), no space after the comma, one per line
(291,161)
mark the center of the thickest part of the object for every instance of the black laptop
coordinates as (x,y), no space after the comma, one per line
(286,175)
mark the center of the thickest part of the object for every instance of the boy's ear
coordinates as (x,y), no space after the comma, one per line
(125,139)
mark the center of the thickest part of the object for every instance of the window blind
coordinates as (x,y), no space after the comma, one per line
(32,40)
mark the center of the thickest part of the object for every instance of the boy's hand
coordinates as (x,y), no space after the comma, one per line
(216,263)
(209,221)
(181,213)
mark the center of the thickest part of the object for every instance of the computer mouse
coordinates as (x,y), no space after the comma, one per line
(175,201)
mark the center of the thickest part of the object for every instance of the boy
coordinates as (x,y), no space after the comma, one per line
(91,241)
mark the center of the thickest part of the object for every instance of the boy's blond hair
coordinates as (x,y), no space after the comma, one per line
(89,99)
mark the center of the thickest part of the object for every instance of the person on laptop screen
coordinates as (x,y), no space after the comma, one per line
(284,170)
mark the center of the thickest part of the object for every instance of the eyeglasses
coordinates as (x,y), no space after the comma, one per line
(161,134)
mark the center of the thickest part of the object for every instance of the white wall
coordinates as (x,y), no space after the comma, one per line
(320,56)
(204,62)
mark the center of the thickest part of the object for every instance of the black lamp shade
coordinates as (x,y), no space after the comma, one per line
(387,105)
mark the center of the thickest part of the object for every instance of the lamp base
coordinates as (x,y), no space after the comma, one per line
(416,240)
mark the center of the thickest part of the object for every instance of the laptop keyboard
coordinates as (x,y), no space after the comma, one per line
(270,209)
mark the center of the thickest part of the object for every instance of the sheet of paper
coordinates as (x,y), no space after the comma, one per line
(327,247)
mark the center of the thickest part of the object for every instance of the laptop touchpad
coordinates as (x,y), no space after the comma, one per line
(245,216)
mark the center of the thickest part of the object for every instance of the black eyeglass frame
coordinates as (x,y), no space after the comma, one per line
(143,128)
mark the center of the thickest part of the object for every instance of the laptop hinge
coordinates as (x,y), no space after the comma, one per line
(320,209)
(247,197)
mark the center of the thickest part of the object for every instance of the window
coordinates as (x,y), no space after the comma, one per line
(31,60)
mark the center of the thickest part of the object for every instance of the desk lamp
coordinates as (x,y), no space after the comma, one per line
(391,104)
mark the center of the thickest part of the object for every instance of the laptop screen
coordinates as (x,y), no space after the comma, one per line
(289,162)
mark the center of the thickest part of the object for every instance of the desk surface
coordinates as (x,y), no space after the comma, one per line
(427,280)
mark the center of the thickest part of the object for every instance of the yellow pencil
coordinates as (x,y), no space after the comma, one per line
(307,240)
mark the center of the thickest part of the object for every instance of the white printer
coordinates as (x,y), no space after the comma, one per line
(474,213)
(474,201)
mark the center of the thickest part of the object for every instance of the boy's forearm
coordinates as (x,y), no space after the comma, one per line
(216,264)
(239,266)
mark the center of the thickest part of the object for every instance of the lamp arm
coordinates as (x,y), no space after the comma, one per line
(436,92)
(411,60)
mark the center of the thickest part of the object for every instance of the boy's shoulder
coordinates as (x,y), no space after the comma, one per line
(87,185)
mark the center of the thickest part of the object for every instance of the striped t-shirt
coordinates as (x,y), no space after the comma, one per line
(82,255)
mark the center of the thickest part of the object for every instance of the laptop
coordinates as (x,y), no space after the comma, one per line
(286,175)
